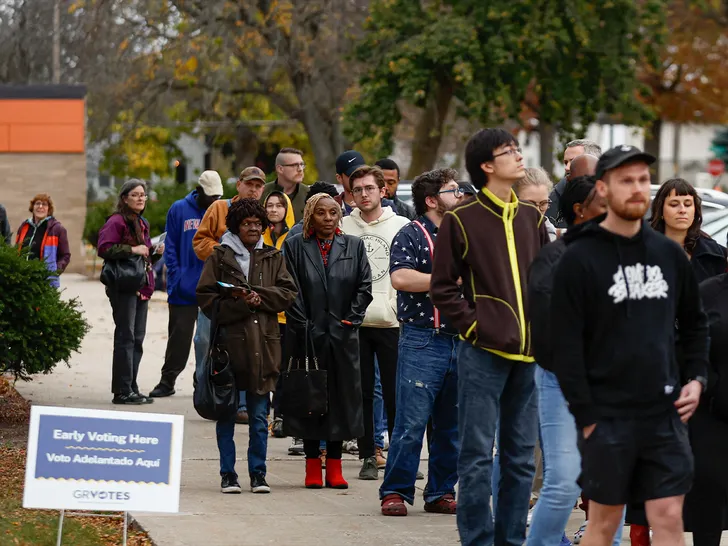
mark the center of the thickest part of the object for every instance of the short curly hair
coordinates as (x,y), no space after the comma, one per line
(42,197)
(242,209)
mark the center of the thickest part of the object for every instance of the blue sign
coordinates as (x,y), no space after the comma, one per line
(89,448)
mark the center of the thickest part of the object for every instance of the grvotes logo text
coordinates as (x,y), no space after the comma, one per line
(90,494)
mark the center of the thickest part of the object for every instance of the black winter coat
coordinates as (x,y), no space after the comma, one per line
(708,259)
(326,296)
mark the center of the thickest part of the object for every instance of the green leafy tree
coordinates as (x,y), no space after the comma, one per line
(37,328)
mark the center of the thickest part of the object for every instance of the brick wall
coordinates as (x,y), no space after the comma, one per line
(63,176)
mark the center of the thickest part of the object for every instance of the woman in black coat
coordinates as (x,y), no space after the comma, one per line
(334,283)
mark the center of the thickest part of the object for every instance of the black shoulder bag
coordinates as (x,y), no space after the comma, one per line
(305,386)
(125,275)
(216,393)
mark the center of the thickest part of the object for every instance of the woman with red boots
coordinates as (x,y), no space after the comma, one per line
(334,283)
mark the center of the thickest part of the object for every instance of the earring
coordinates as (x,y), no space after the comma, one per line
(581,216)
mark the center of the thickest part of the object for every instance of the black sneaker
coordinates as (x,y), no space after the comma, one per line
(132,399)
(230,484)
(160,391)
(145,399)
(258,484)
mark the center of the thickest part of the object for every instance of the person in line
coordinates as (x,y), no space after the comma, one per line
(427,364)
(617,293)
(280,218)
(677,213)
(248,319)
(249,186)
(580,205)
(126,234)
(183,272)
(316,187)
(334,281)
(346,164)
(45,237)
(6,234)
(573,149)
(290,169)
(391,181)
(535,188)
(379,335)
(495,365)
(707,502)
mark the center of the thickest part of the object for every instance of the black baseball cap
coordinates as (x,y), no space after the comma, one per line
(348,162)
(620,155)
(467,188)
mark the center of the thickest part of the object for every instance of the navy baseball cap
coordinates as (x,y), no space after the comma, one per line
(348,162)
(620,155)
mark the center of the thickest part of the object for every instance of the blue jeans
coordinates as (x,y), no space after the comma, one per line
(259,405)
(561,464)
(426,386)
(380,416)
(492,389)
(202,345)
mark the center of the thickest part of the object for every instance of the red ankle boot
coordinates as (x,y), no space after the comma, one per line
(334,477)
(314,475)
(639,535)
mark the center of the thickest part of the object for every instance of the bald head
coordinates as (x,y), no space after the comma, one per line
(584,165)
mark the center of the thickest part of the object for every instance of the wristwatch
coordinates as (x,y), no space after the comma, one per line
(702,380)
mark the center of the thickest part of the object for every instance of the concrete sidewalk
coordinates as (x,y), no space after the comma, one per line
(291,515)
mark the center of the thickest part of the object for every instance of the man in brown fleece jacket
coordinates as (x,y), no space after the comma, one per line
(489,242)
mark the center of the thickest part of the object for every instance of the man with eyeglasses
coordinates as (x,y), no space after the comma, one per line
(484,249)
(428,348)
(290,169)
(379,334)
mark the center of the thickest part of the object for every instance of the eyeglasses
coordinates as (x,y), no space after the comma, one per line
(40,204)
(510,151)
(457,192)
(368,189)
(300,165)
(542,205)
(137,196)
(251,225)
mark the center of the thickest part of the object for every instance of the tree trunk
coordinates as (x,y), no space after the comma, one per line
(429,131)
(546,135)
(652,147)
(246,148)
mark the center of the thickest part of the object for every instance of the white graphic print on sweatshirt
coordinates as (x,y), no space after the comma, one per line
(651,286)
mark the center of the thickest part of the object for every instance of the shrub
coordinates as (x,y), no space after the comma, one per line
(37,328)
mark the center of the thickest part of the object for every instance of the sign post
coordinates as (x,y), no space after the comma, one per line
(85,459)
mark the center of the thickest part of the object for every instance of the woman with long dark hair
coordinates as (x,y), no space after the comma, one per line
(334,283)
(677,212)
(126,234)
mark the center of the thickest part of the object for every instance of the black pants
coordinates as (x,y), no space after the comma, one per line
(180,329)
(382,344)
(312,449)
(130,317)
(278,394)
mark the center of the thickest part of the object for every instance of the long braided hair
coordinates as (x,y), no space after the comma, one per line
(310,208)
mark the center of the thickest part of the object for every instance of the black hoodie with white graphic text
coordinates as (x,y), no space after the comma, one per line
(615,301)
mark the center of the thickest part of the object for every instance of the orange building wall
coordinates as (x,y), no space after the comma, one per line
(42,125)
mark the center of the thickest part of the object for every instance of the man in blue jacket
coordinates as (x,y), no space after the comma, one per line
(183,272)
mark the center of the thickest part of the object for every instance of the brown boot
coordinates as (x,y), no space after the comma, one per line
(381,460)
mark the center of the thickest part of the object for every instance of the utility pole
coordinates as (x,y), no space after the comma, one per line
(56,41)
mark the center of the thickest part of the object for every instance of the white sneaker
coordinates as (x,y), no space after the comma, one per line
(352,446)
(530,516)
(580,533)
(386,440)
(296,447)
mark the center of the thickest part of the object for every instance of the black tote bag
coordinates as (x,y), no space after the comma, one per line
(215,395)
(305,386)
(125,275)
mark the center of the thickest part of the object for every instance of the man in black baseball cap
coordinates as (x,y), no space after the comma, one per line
(617,293)
(347,163)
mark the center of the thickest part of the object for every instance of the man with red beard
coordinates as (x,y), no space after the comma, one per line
(617,293)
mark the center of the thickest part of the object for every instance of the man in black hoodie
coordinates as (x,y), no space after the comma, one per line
(617,294)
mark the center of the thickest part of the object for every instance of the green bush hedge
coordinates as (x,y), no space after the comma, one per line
(37,328)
